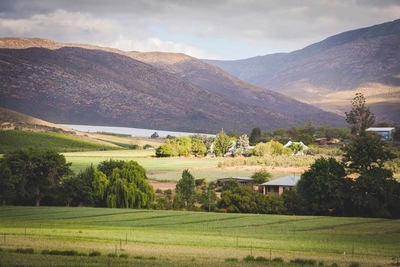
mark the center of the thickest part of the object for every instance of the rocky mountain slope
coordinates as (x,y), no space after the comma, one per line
(64,83)
(217,81)
(329,73)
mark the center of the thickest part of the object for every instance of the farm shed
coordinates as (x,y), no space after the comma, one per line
(277,186)
(386,132)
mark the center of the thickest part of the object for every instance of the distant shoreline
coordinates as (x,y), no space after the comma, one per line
(126,130)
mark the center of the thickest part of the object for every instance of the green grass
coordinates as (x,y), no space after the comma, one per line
(12,140)
(173,238)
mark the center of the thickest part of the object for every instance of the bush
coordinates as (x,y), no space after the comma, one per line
(231,260)
(124,255)
(354,264)
(25,250)
(279,260)
(261,259)
(95,254)
(60,252)
(112,255)
(249,258)
(138,257)
(304,262)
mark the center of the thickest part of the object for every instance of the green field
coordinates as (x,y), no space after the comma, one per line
(178,238)
(12,140)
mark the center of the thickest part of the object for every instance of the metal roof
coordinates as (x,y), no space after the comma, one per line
(236,178)
(289,180)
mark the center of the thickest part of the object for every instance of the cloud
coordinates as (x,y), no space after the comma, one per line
(197,28)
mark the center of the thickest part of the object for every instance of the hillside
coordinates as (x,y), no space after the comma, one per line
(329,73)
(74,85)
(217,81)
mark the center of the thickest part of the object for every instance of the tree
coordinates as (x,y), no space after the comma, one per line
(125,187)
(324,187)
(255,135)
(260,177)
(164,151)
(208,197)
(198,147)
(243,144)
(36,171)
(185,187)
(222,143)
(366,153)
(7,184)
(360,117)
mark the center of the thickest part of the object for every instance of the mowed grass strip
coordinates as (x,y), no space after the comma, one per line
(320,237)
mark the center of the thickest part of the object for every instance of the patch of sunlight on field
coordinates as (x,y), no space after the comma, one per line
(80,160)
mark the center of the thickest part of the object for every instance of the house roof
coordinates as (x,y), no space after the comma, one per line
(289,180)
(381,129)
(235,178)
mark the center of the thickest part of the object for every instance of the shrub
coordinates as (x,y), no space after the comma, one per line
(304,262)
(279,260)
(334,264)
(354,264)
(249,258)
(25,250)
(261,259)
(95,254)
(138,257)
(231,260)
(60,252)
(124,255)
(112,255)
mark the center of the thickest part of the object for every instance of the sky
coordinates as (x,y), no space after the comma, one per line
(205,29)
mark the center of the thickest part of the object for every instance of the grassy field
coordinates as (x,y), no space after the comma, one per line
(176,238)
(11,140)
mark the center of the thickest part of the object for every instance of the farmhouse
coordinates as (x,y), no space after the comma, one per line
(386,132)
(277,186)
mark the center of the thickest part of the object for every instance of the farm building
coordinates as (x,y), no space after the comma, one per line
(386,132)
(277,186)
(241,180)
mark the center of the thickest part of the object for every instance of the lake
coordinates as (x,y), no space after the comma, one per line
(125,130)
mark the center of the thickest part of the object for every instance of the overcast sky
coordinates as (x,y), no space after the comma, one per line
(230,29)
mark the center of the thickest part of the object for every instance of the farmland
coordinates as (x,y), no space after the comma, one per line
(178,238)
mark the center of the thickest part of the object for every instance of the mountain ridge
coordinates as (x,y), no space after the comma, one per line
(328,73)
(64,82)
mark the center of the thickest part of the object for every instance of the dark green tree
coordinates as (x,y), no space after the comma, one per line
(365,153)
(360,117)
(8,192)
(261,176)
(324,188)
(37,171)
(255,136)
(230,185)
(185,188)
(241,199)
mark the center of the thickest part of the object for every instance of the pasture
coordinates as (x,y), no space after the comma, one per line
(179,238)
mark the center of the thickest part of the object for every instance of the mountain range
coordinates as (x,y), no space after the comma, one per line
(327,74)
(85,84)
(74,84)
